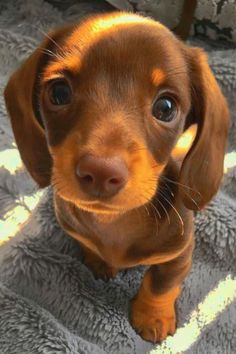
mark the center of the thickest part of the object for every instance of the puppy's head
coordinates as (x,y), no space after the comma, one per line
(98,108)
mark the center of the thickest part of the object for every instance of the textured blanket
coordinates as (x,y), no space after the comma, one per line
(49,301)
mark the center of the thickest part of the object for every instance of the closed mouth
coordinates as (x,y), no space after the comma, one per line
(99,206)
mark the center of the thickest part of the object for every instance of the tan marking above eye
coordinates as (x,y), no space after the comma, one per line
(158,76)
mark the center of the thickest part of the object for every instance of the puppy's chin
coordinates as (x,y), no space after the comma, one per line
(118,205)
(100,208)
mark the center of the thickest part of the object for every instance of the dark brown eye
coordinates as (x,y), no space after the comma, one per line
(60,93)
(164,109)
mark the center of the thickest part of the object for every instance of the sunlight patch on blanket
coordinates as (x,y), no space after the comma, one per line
(229,161)
(10,160)
(14,218)
(215,302)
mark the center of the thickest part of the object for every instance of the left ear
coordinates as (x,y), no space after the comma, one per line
(202,169)
(29,134)
(21,101)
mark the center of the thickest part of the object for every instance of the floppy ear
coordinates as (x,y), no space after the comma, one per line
(202,169)
(20,97)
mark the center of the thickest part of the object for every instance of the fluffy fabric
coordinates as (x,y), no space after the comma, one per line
(49,301)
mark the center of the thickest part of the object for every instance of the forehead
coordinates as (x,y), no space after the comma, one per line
(119,44)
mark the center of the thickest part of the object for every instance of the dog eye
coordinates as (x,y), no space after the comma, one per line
(164,109)
(60,93)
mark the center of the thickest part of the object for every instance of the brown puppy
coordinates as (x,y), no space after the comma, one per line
(96,112)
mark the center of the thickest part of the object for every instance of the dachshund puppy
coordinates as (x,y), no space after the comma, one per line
(97,111)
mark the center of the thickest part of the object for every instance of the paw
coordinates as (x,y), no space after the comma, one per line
(153,323)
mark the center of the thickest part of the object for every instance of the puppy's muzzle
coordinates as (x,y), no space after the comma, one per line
(101,177)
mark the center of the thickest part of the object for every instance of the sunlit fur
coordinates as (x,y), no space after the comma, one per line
(109,118)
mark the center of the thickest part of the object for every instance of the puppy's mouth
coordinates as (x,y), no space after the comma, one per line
(125,200)
(105,205)
(101,207)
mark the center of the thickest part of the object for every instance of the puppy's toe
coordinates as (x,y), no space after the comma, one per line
(153,325)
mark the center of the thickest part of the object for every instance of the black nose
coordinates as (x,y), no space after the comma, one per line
(102,177)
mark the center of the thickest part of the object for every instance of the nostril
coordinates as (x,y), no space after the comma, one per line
(114,181)
(88,179)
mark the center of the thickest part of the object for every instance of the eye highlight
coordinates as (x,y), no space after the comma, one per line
(164,109)
(60,93)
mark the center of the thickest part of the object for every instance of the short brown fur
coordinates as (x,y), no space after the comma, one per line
(116,65)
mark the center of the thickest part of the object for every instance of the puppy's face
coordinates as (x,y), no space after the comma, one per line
(98,109)
(113,104)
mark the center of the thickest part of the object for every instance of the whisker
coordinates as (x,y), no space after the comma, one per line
(194,201)
(50,53)
(145,207)
(176,211)
(59,55)
(180,184)
(168,187)
(159,215)
(184,186)
(167,215)
(156,212)
(49,37)
(155,217)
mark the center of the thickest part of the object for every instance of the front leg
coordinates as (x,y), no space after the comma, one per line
(99,268)
(153,308)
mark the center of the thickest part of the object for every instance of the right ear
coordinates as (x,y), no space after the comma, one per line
(20,94)
(203,166)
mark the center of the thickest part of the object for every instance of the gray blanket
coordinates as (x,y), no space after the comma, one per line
(49,301)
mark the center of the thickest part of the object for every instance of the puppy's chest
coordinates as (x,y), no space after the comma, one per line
(122,236)
(114,241)
(134,239)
